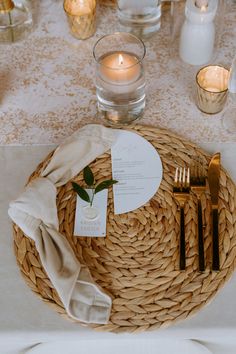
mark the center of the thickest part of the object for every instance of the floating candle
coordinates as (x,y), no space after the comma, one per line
(121,68)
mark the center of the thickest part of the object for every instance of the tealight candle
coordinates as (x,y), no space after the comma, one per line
(212,87)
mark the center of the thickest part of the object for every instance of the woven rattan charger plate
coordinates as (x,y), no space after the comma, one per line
(137,262)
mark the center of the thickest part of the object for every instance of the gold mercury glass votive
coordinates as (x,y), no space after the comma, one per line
(81,16)
(212,88)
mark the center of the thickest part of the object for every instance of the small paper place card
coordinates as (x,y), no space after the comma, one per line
(91,221)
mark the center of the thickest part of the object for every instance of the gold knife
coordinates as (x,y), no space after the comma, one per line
(214,185)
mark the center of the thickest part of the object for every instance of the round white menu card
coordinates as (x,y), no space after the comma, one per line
(137,167)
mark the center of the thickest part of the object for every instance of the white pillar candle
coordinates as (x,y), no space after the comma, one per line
(198,32)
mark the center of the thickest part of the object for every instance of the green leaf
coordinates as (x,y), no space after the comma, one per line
(88,176)
(104,185)
(81,192)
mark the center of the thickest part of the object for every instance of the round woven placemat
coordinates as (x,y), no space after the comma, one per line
(137,263)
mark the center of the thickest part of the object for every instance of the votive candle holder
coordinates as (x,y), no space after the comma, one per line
(212,88)
(81,16)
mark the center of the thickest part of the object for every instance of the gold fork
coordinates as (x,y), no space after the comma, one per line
(181,193)
(198,187)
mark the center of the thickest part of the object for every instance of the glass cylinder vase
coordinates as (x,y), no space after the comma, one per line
(120,79)
(142,18)
(15,20)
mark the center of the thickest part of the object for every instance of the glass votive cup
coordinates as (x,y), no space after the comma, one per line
(212,88)
(142,18)
(120,79)
(81,17)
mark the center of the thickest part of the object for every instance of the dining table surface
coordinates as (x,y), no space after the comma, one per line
(47,92)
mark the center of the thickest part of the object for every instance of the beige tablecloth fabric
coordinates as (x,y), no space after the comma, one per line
(35,213)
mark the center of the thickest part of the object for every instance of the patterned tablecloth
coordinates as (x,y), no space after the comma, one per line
(47,81)
(46,93)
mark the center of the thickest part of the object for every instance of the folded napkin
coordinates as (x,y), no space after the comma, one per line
(35,212)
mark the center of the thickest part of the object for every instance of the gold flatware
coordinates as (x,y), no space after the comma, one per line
(181,193)
(198,187)
(214,185)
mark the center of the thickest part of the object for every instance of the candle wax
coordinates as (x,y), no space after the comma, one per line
(121,68)
(213,78)
(212,89)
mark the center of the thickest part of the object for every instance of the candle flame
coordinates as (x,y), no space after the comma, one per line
(202,5)
(121,60)
(203,8)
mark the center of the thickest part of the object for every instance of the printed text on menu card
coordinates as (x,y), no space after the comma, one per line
(137,167)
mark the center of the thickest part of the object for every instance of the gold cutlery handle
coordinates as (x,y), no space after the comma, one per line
(182,260)
(201,258)
(215,241)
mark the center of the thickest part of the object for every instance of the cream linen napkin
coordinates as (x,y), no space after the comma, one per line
(35,212)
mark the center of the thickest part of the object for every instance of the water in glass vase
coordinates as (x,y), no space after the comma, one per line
(142,18)
(15,21)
